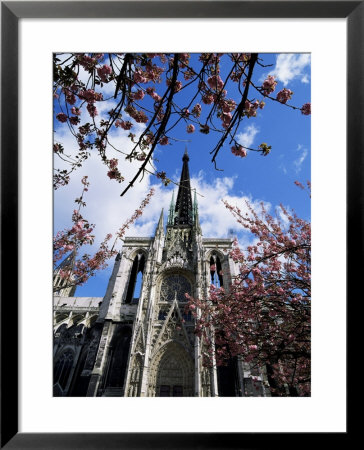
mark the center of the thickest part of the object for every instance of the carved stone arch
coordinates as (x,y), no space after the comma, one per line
(217,252)
(60,328)
(76,319)
(138,250)
(60,318)
(171,372)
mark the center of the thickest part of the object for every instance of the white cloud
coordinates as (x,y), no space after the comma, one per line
(299,161)
(290,66)
(215,219)
(247,137)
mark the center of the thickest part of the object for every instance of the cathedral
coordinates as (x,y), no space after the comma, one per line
(138,340)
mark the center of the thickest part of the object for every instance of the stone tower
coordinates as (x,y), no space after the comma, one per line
(142,341)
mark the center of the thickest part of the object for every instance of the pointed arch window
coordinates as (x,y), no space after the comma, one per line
(136,279)
(62,369)
(216,271)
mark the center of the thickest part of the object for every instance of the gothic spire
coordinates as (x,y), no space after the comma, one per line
(171,212)
(160,227)
(183,208)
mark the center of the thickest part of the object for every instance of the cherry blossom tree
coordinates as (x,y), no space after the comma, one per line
(159,91)
(264,316)
(71,240)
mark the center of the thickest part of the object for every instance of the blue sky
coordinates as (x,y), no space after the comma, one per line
(269,179)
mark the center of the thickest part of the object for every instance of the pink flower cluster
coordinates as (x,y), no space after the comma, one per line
(138,116)
(92,110)
(87,62)
(177,85)
(196,110)
(74,120)
(138,212)
(190,128)
(61,117)
(164,140)
(76,111)
(239,150)
(306,109)
(90,95)
(125,125)
(208,99)
(215,82)
(104,72)
(269,85)
(70,96)
(251,108)
(138,95)
(153,94)
(226,119)
(284,95)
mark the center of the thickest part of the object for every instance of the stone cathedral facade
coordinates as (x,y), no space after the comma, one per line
(138,340)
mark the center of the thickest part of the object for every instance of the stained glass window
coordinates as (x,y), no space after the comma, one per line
(175,286)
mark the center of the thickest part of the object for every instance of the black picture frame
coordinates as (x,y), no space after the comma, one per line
(11,12)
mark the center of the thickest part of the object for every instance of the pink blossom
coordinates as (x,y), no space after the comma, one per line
(269,85)
(251,108)
(306,109)
(208,99)
(196,111)
(113,163)
(139,77)
(57,148)
(76,111)
(190,128)
(284,95)
(125,125)
(92,110)
(112,174)
(90,95)
(215,82)
(228,105)
(138,95)
(87,62)
(226,119)
(239,150)
(164,141)
(177,85)
(61,117)
(103,72)
(74,120)
(151,91)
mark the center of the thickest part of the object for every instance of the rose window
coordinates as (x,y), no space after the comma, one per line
(175,286)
